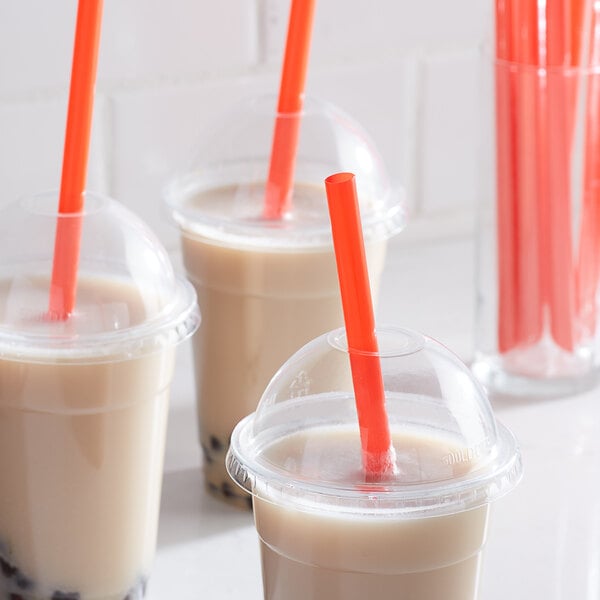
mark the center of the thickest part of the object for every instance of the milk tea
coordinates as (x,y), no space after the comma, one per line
(318,553)
(259,305)
(81,455)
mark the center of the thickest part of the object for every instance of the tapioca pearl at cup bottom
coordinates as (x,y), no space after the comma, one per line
(207,454)
(15,582)
(13,577)
(214,449)
(216,445)
(136,593)
(227,491)
(6,568)
(23,582)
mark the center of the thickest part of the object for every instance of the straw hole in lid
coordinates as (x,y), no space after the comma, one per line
(392,341)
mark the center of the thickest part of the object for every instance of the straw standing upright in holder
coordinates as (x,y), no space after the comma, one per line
(536,322)
(588,256)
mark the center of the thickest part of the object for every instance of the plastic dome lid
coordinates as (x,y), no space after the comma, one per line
(234,156)
(129,301)
(303,445)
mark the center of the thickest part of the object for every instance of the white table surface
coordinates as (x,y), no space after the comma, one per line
(544,538)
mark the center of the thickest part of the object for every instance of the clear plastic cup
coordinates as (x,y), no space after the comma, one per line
(83,402)
(325,532)
(266,287)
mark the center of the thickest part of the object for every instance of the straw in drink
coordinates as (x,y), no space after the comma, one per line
(334,526)
(77,142)
(84,379)
(267,284)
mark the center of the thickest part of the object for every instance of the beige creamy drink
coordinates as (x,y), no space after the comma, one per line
(259,304)
(310,553)
(327,530)
(81,454)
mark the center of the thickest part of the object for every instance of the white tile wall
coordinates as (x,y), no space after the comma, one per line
(36,43)
(151,40)
(385,107)
(155,135)
(406,70)
(349,29)
(448,130)
(31,146)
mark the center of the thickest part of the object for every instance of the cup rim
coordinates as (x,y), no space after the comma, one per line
(173,321)
(405,500)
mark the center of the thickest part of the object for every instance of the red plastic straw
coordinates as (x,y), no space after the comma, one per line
(280,180)
(578,24)
(519,175)
(74,170)
(505,183)
(588,264)
(360,325)
(536,119)
(525,51)
(561,111)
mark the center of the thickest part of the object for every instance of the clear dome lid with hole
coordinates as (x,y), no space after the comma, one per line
(303,441)
(221,194)
(128,299)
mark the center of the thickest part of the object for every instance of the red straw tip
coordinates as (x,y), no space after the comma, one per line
(56,315)
(339,178)
(380,466)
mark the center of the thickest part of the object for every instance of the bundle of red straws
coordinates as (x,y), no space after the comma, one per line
(548,197)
